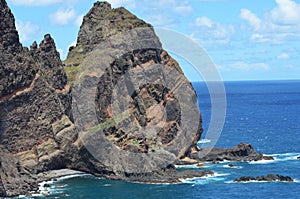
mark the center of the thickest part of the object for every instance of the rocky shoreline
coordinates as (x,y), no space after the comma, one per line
(59,118)
(48,124)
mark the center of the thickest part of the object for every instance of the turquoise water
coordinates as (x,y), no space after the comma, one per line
(265,114)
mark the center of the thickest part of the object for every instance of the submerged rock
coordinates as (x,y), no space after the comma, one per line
(267,178)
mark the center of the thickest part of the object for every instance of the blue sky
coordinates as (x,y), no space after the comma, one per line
(247,40)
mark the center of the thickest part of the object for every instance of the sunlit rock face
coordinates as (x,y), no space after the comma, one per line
(118,107)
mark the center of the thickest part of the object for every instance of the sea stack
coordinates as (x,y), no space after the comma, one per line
(42,119)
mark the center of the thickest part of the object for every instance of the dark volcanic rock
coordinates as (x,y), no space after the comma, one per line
(267,158)
(267,178)
(9,38)
(36,132)
(241,152)
(51,67)
(145,107)
(102,22)
(167,175)
(37,128)
(17,69)
(50,64)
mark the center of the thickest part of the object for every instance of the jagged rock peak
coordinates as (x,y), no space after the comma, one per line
(103,21)
(50,64)
(34,46)
(100,7)
(47,44)
(8,33)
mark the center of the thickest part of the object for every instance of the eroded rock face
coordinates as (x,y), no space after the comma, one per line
(115,52)
(145,108)
(34,98)
(17,70)
(28,115)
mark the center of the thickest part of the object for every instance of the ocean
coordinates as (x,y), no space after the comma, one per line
(263,113)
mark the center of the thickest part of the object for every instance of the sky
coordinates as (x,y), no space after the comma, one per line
(246,40)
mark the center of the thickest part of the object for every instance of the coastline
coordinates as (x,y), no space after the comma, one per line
(46,179)
(54,174)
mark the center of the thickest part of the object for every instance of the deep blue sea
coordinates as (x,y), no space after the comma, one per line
(263,113)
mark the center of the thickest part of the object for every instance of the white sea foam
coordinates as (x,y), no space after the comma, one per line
(73,176)
(190,166)
(262,162)
(246,182)
(220,174)
(107,185)
(203,141)
(285,156)
(45,190)
(232,167)
(52,188)
(277,157)
(210,178)
(256,181)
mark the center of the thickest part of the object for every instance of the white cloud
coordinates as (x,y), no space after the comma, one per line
(41,2)
(183,10)
(287,12)
(252,19)
(203,21)
(210,32)
(250,66)
(62,17)
(125,3)
(165,3)
(160,20)
(79,20)
(34,2)
(278,25)
(64,52)
(27,30)
(283,56)
(259,38)
(72,44)
(61,52)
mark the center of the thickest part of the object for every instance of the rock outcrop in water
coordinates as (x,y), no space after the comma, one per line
(240,153)
(267,178)
(40,108)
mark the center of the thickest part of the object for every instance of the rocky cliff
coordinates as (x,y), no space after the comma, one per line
(121,110)
(129,85)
